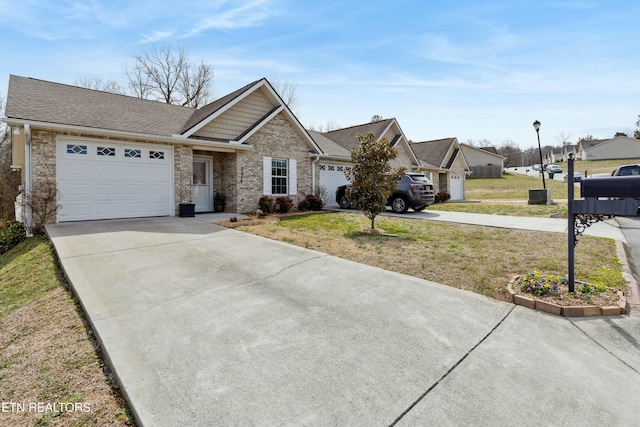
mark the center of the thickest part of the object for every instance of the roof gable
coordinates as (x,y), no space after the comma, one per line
(433,152)
(347,138)
(205,114)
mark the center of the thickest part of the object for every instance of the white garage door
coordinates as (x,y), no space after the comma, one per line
(331,177)
(104,180)
(457,187)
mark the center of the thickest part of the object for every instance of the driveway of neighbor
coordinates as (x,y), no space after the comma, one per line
(208,326)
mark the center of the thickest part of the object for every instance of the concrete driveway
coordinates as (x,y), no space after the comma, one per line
(208,326)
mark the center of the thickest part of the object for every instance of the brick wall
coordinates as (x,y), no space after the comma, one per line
(182,174)
(277,139)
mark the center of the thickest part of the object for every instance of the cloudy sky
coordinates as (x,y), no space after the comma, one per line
(473,69)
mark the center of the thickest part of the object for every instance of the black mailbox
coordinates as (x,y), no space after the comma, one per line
(611,186)
(622,192)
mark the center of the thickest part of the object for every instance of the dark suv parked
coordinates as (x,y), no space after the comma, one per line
(414,190)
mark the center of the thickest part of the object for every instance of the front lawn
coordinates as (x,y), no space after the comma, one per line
(47,352)
(475,258)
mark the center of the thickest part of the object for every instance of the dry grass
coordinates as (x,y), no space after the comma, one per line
(598,166)
(475,258)
(510,187)
(47,351)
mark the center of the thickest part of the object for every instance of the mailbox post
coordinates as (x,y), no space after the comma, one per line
(621,198)
(571,245)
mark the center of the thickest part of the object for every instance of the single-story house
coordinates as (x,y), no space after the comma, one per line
(115,156)
(484,162)
(619,147)
(569,149)
(446,157)
(337,145)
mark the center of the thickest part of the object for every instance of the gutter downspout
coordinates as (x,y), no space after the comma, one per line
(313,175)
(27,176)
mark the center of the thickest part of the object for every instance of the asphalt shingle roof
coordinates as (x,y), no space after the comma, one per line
(327,146)
(432,152)
(43,101)
(348,137)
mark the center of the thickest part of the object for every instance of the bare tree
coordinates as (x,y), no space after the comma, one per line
(9,180)
(376,118)
(287,90)
(511,152)
(169,75)
(139,85)
(563,138)
(98,84)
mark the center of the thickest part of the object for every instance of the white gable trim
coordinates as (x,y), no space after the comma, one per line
(403,138)
(258,126)
(223,109)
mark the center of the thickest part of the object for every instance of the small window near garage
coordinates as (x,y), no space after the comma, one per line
(76,149)
(158,155)
(340,169)
(278,176)
(332,168)
(323,167)
(106,151)
(133,153)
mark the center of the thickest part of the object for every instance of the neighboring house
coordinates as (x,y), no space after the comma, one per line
(484,162)
(584,145)
(569,149)
(337,144)
(447,159)
(116,156)
(619,147)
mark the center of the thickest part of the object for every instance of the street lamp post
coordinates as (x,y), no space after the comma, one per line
(536,126)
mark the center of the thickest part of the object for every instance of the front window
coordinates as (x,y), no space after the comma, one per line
(278,176)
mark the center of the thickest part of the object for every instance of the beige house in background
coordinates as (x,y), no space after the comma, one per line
(445,158)
(619,147)
(484,162)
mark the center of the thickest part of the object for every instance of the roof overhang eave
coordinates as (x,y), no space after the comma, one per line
(126,134)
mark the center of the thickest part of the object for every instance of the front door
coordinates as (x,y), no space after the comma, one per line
(202,189)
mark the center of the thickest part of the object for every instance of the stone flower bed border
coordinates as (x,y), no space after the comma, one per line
(566,311)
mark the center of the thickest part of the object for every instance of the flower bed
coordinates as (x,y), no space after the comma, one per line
(551,294)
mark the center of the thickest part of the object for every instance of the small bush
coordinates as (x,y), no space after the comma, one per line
(10,235)
(284,204)
(267,205)
(442,196)
(311,202)
(315,202)
(42,201)
(303,205)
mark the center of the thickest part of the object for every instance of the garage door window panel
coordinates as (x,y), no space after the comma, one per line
(106,151)
(76,149)
(132,153)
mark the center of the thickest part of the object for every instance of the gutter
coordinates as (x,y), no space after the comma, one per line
(130,135)
(27,177)
(313,173)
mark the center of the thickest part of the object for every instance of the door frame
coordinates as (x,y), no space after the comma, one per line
(208,161)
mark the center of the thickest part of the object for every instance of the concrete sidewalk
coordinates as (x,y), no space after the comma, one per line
(608,228)
(208,326)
